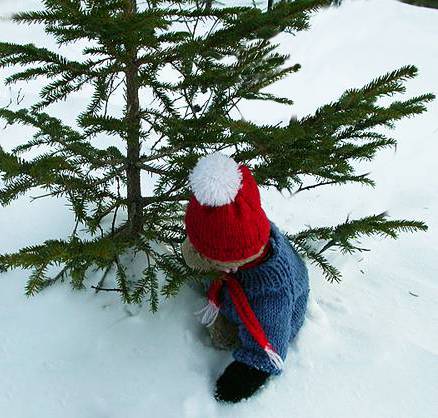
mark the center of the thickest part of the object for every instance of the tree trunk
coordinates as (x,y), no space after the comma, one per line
(135,208)
(270,4)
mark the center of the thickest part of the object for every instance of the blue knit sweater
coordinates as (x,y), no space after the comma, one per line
(277,291)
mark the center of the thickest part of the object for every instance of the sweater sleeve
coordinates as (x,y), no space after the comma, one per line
(274,312)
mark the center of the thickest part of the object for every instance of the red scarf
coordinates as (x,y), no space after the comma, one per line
(242,306)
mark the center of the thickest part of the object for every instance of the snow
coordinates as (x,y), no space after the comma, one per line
(369,346)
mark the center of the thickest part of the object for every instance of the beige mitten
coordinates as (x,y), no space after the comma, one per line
(224,334)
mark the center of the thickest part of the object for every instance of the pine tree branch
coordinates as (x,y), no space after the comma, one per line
(361,178)
(104,289)
(147,200)
(151,169)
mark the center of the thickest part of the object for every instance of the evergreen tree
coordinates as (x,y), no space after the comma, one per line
(219,56)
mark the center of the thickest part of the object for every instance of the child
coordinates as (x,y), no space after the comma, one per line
(264,285)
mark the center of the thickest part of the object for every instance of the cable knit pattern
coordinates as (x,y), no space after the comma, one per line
(277,291)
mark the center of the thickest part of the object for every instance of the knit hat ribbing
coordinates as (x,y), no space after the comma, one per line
(224,218)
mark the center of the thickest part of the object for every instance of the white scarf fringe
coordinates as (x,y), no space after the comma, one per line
(209,314)
(274,358)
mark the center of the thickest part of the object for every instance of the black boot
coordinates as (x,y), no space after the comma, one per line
(238,382)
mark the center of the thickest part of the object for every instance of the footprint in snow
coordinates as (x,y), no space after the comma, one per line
(335,305)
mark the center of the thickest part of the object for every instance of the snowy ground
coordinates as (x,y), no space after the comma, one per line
(369,347)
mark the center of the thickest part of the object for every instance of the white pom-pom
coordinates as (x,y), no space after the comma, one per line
(216,180)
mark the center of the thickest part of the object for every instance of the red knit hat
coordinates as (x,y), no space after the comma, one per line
(224,218)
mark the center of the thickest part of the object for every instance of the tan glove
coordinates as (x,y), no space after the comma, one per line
(224,334)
